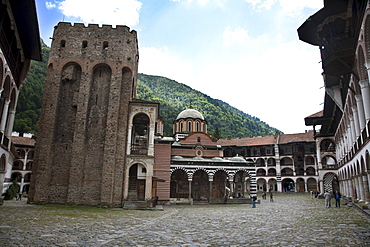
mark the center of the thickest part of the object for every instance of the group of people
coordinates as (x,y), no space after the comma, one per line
(328,197)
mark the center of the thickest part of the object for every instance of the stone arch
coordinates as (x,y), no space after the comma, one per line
(310,161)
(287,172)
(137,182)
(200,188)
(27,177)
(288,185)
(260,162)
(328,161)
(367,35)
(271,172)
(29,165)
(17,165)
(17,176)
(219,183)
(2,163)
(140,134)
(362,165)
(286,161)
(179,185)
(331,182)
(272,184)
(271,162)
(327,145)
(261,184)
(311,184)
(261,172)
(310,171)
(300,185)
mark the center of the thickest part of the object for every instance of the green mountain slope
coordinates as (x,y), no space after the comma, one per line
(174,97)
(29,99)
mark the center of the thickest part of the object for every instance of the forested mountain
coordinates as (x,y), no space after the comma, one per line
(29,99)
(223,120)
(175,97)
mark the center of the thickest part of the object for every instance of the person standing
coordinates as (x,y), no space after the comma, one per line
(327,197)
(337,199)
(254,199)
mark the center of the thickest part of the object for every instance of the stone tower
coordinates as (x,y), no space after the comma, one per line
(82,145)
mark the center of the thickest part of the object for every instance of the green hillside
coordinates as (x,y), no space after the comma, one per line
(174,97)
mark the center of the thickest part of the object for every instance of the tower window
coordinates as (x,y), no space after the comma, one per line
(105,45)
(62,43)
(84,44)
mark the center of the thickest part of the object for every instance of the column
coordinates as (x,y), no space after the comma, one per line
(305,186)
(189,197)
(361,195)
(361,111)
(356,120)
(321,187)
(366,188)
(279,186)
(350,188)
(365,91)
(148,187)
(210,191)
(4,117)
(9,126)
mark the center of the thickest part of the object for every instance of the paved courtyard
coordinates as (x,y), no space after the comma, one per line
(291,220)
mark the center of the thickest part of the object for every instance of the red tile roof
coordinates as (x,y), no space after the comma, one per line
(268,140)
(255,141)
(300,137)
(23,141)
(317,114)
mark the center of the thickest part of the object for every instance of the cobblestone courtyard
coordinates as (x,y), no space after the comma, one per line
(291,220)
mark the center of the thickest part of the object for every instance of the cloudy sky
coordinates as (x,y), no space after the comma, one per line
(243,52)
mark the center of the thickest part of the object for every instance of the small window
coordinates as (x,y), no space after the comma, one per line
(105,45)
(84,44)
(198,139)
(189,126)
(143,170)
(63,43)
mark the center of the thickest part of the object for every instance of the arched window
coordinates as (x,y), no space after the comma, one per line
(105,45)
(84,44)
(189,126)
(197,126)
(140,134)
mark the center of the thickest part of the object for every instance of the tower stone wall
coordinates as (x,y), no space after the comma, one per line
(81,145)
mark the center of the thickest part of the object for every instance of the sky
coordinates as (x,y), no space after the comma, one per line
(244,52)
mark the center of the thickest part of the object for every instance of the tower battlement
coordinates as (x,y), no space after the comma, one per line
(121,28)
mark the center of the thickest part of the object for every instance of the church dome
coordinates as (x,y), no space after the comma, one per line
(190,113)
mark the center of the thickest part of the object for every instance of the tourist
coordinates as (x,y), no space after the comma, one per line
(254,199)
(337,199)
(327,197)
(271,197)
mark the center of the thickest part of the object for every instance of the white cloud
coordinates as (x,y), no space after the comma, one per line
(50,5)
(288,7)
(113,12)
(162,62)
(236,36)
